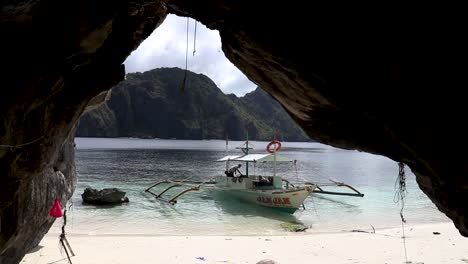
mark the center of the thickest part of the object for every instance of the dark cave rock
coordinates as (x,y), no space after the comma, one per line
(337,71)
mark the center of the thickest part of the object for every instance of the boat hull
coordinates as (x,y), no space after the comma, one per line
(283,200)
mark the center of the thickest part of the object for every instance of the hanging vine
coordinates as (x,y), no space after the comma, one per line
(400,185)
(184,80)
(194,38)
(400,197)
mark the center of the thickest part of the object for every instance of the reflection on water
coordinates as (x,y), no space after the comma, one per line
(135,164)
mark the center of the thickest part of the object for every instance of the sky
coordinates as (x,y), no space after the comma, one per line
(166,47)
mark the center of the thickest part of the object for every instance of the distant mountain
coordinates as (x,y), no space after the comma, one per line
(154,105)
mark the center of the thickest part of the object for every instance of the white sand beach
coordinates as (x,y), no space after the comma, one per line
(384,246)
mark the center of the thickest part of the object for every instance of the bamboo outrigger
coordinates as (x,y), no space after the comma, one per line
(173,184)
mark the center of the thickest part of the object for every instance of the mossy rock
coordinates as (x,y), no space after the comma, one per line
(294,227)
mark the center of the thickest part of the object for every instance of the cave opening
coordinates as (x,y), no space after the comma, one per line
(344,88)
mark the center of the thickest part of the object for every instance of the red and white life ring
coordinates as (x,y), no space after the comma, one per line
(277,146)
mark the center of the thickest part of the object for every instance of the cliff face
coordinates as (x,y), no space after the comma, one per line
(337,70)
(153,105)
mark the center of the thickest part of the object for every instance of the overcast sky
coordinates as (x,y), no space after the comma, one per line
(166,48)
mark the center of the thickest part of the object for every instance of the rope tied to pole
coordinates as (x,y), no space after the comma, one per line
(63,238)
(56,212)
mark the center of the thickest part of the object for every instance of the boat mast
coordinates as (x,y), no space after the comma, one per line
(227,162)
(227,143)
(274,157)
(247,153)
(274,164)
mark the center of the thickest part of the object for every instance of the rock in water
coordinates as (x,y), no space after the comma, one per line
(104,196)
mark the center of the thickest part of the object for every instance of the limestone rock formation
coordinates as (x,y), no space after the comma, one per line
(32,200)
(104,196)
(337,70)
(152,105)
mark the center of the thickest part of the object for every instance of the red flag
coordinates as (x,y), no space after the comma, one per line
(56,210)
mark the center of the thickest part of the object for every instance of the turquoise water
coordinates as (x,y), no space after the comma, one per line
(135,164)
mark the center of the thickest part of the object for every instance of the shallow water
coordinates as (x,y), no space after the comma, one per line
(135,164)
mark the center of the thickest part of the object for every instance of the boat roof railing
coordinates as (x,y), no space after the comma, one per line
(256,158)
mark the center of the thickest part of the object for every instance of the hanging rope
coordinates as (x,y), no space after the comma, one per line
(21,145)
(295,169)
(195,38)
(315,206)
(298,167)
(186,58)
(400,196)
(71,208)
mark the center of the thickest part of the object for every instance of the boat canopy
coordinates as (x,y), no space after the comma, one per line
(256,158)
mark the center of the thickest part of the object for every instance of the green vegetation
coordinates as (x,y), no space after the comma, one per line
(153,105)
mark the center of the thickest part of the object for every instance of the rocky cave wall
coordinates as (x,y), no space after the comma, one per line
(337,71)
(58,56)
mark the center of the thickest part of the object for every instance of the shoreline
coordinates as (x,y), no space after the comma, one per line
(308,232)
(384,246)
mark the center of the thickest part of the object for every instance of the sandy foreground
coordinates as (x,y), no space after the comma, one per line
(385,246)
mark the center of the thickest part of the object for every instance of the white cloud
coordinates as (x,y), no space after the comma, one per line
(166,48)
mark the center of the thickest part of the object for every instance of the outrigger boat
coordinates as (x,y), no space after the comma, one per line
(265,190)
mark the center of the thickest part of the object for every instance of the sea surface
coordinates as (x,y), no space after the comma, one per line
(135,164)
